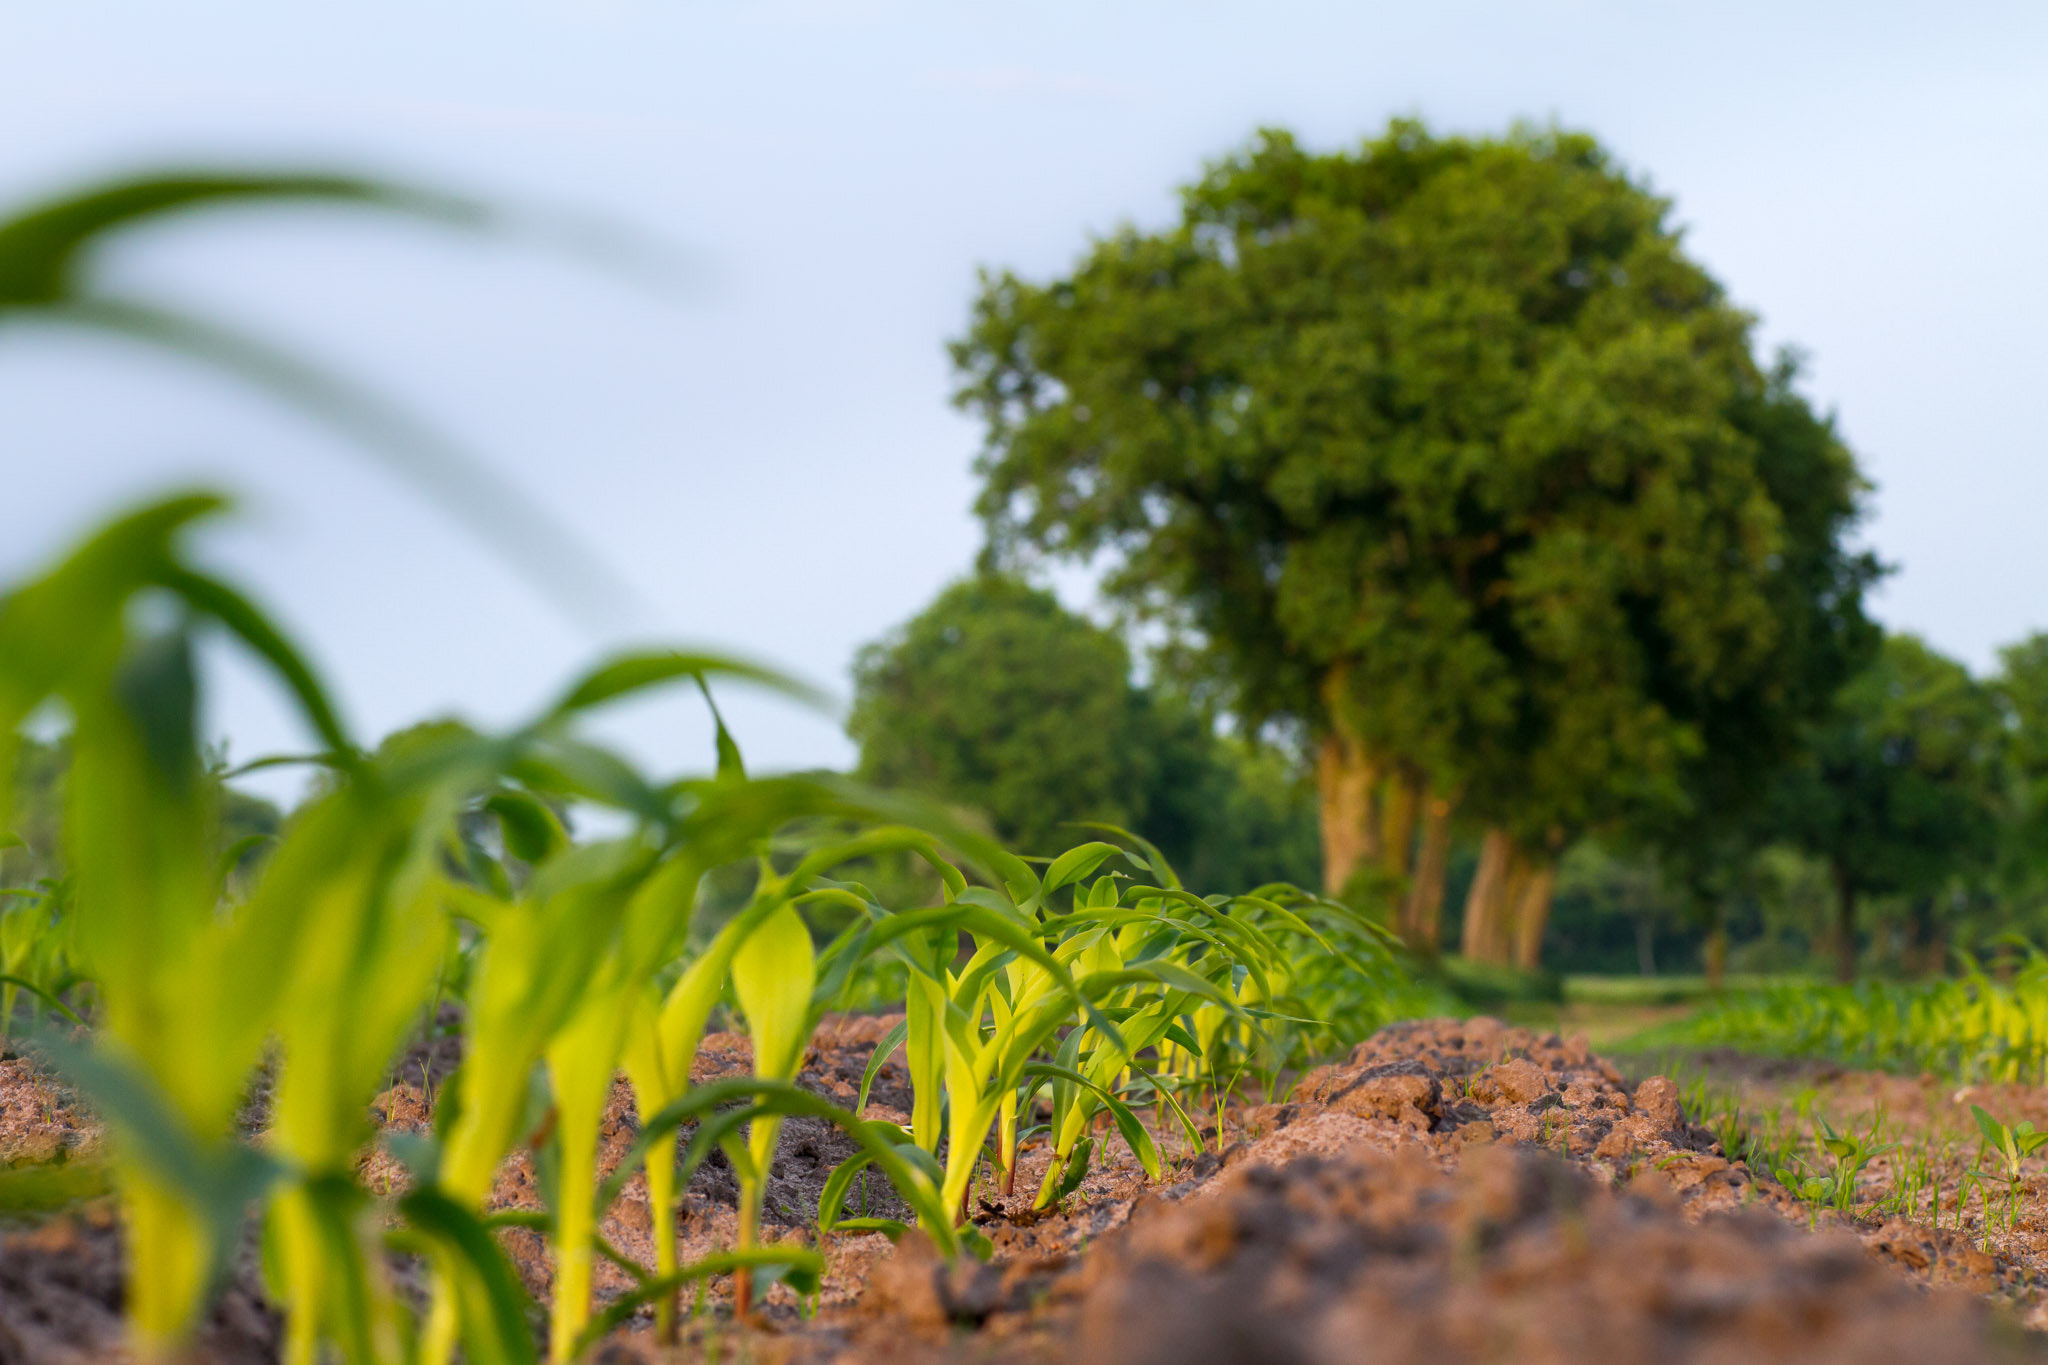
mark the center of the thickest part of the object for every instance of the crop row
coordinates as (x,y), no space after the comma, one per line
(438,869)
(1976,1026)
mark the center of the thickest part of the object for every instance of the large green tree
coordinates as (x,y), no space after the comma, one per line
(998,698)
(1447,454)
(1897,787)
(1709,843)
(2021,872)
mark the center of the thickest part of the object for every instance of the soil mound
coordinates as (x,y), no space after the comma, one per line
(1515,1256)
(1452,1191)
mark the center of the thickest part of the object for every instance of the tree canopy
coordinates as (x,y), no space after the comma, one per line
(1445,453)
(998,698)
(2022,691)
(1897,789)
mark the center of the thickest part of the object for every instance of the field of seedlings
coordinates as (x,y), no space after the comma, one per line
(1909,1114)
(504,1047)
(244,1022)
(1979,1026)
(431,1078)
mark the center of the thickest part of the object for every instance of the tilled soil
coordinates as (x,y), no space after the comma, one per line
(1945,1239)
(1452,1191)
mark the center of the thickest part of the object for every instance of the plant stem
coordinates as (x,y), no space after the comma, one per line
(1006,1141)
(298,1250)
(661,1202)
(1053,1171)
(761,1136)
(575,1228)
(167,1266)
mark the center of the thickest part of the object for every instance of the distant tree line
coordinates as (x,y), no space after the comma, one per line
(1913,817)
(1910,822)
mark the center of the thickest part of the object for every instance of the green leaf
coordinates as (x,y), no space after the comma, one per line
(802,1268)
(46,997)
(43,249)
(492,1302)
(420,1153)
(1189,1131)
(1076,1171)
(576,769)
(1134,1133)
(911,1170)
(891,1228)
(157,688)
(772,976)
(232,610)
(885,1049)
(532,832)
(218,1179)
(731,768)
(1077,863)
(54,1185)
(44,255)
(832,1198)
(1160,867)
(231,857)
(625,674)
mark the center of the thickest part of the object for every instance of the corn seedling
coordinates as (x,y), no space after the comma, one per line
(2011,1145)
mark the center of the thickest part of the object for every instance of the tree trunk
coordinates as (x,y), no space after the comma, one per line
(1532,910)
(1397,838)
(1924,953)
(1646,947)
(1717,952)
(1344,786)
(1508,893)
(1483,903)
(1422,916)
(1845,925)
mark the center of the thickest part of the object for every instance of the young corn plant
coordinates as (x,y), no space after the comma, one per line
(633,903)
(564,963)
(353,925)
(2011,1145)
(1000,1006)
(1848,1152)
(35,958)
(540,954)
(363,871)
(982,1053)
(987,1055)
(666,1029)
(1159,966)
(1851,1153)
(148,923)
(772,975)
(1090,1065)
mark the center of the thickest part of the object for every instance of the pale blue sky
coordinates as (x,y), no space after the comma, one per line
(768,457)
